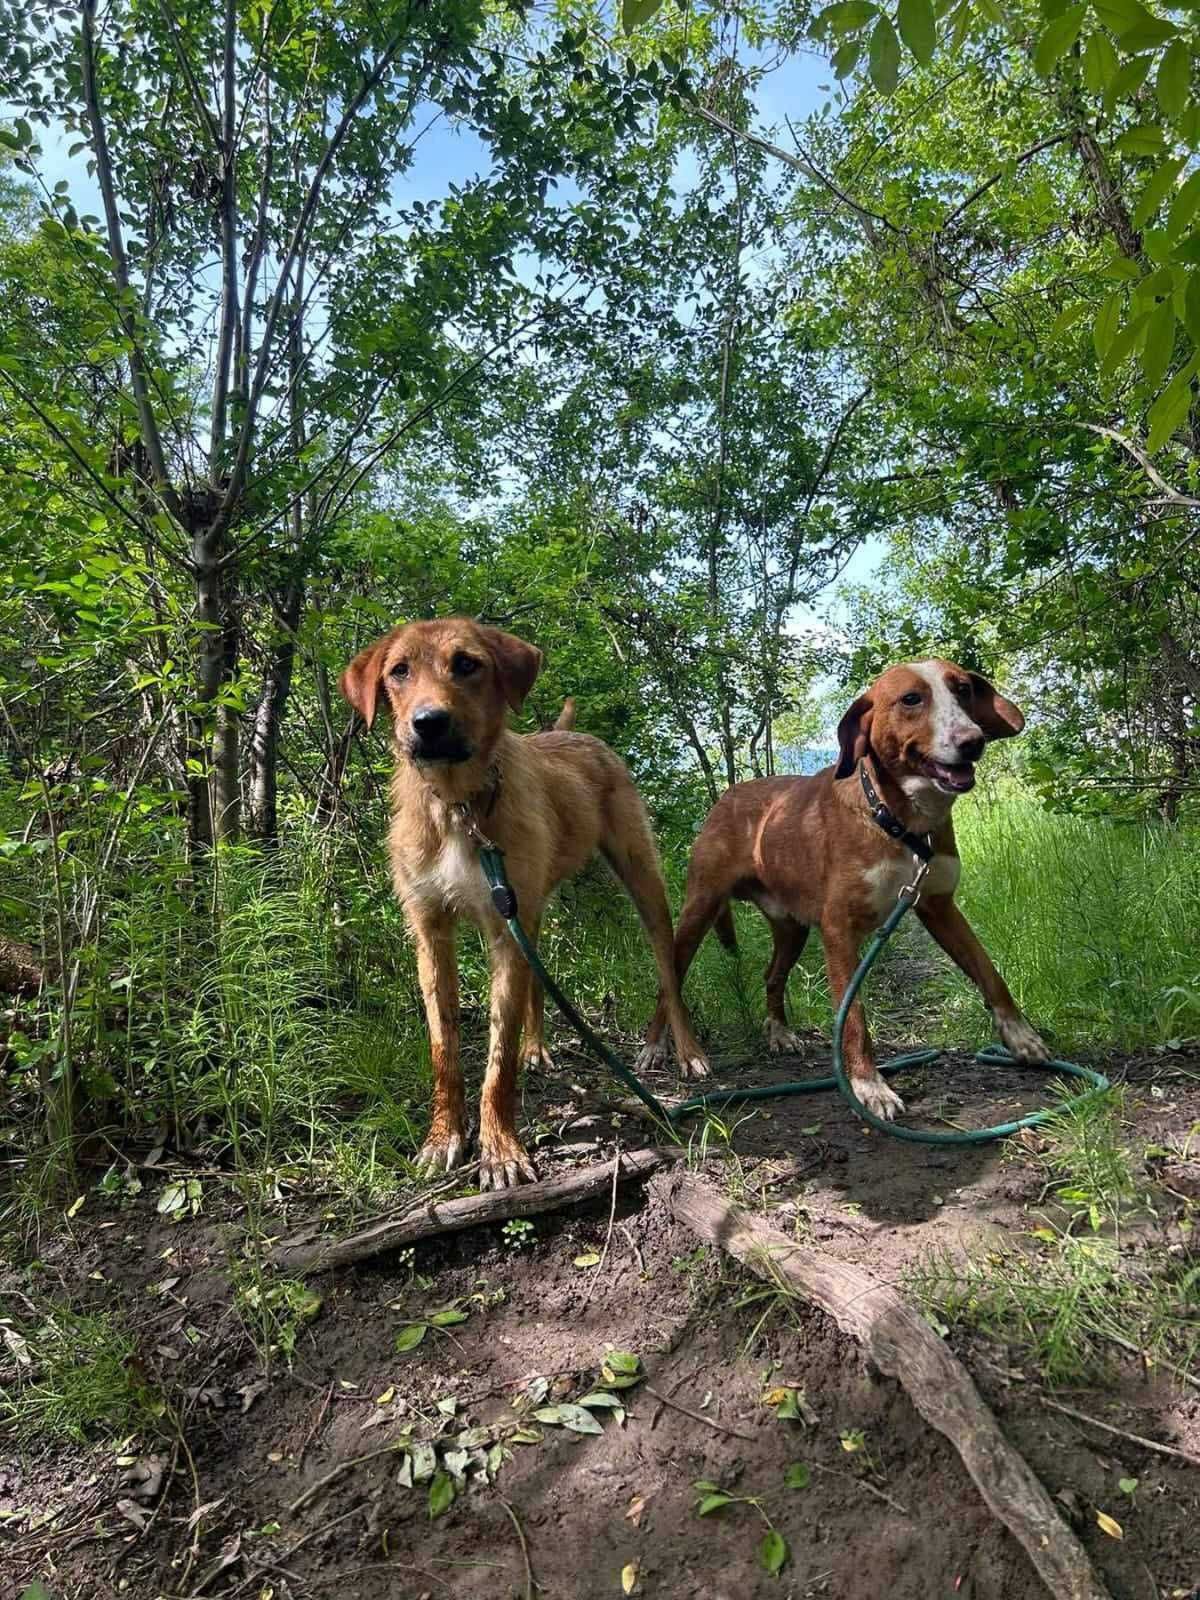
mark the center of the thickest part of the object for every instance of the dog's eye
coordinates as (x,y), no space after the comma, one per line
(463,665)
(962,691)
(400,670)
(912,698)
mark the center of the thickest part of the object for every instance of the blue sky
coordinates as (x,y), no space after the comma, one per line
(447,153)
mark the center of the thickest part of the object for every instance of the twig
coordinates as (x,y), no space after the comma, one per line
(339,1471)
(633,1245)
(512,1515)
(880,1494)
(674,1389)
(316,1427)
(698,1416)
(1122,1433)
(612,1213)
(1136,1350)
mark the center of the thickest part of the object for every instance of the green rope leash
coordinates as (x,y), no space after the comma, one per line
(505,901)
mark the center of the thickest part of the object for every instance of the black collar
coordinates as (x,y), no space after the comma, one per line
(921,844)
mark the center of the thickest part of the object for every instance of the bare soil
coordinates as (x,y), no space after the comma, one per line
(562,1517)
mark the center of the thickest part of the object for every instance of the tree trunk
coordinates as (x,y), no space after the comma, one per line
(268,719)
(227,794)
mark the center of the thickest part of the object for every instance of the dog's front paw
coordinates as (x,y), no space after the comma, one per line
(504,1163)
(780,1038)
(441,1152)
(694,1065)
(1022,1041)
(877,1097)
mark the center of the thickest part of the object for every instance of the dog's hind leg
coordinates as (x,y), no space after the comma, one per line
(790,938)
(534,1055)
(700,912)
(629,850)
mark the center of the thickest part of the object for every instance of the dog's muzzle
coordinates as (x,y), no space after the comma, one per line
(435,737)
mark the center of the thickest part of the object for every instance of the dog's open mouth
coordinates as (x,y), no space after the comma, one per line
(951,778)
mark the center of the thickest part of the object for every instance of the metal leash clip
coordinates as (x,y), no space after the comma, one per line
(911,892)
(467,821)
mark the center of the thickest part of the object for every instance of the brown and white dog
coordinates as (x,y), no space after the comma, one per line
(809,853)
(549,800)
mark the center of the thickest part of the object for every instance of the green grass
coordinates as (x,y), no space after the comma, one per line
(285,1030)
(1078,1288)
(78,1380)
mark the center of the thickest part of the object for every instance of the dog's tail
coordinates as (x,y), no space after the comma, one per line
(566,717)
(724,929)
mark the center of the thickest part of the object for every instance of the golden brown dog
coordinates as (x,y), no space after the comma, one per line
(549,800)
(809,852)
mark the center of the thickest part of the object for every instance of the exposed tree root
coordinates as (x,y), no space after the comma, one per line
(905,1347)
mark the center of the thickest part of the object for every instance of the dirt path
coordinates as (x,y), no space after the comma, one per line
(895,1515)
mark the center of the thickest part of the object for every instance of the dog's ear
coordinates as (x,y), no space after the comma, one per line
(517,664)
(854,735)
(997,717)
(360,682)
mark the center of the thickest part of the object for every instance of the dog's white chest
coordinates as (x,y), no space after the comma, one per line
(454,879)
(885,880)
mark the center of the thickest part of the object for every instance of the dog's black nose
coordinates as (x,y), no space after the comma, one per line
(971,749)
(430,723)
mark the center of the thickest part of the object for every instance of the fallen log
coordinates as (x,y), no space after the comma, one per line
(308,1252)
(900,1343)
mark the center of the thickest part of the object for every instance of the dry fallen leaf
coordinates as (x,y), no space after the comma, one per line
(1109,1525)
(386,1398)
(633,1512)
(629,1578)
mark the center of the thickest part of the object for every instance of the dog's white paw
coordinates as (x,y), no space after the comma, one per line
(1021,1040)
(877,1097)
(537,1058)
(693,1066)
(780,1038)
(441,1155)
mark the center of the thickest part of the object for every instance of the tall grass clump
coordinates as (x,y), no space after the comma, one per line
(1092,922)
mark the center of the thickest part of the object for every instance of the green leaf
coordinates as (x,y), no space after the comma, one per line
(1147,139)
(1146,33)
(772,1553)
(1174,78)
(846,57)
(1191,306)
(883,62)
(409,1338)
(577,1419)
(1067,318)
(622,1361)
(1161,184)
(1171,408)
(1100,63)
(449,1318)
(1117,15)
(712,1502)
(441,1493)
(797,1476)
(635,12)
(1159,343)
(845,17)
(1108,318)
(600,1398)
(1183,207)
(918,28)
(1057,38)
(1124,344)
(1127,82)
